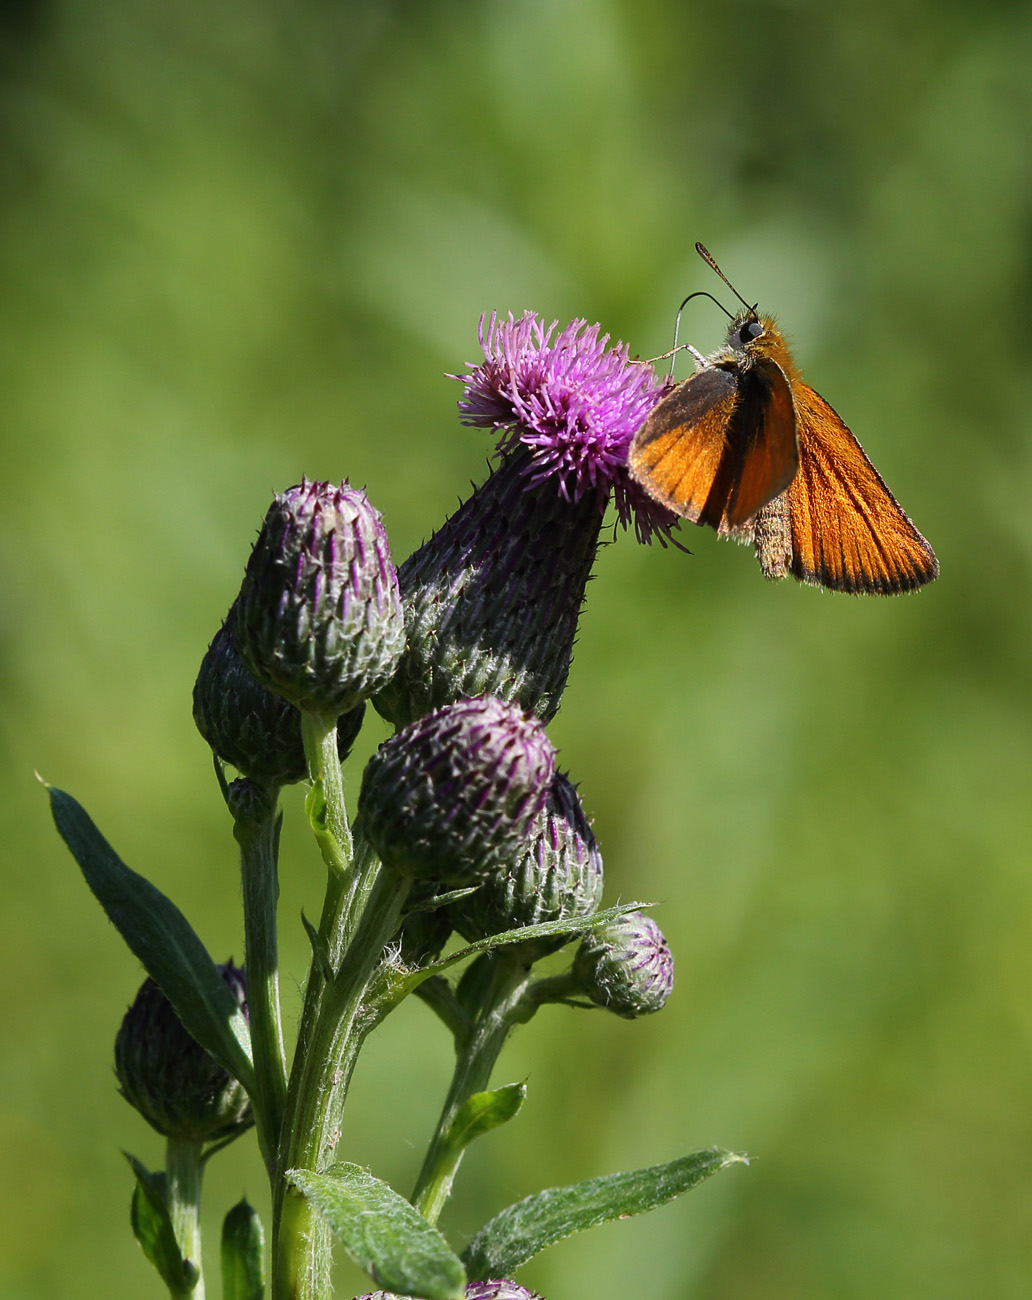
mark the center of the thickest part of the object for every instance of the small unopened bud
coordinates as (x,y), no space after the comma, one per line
(163,1072)
(253,729)
(626,966)
(319,619)
(451,796)
(500,1289)
(558,877)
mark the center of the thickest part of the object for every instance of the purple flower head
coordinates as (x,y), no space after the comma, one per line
(573,404)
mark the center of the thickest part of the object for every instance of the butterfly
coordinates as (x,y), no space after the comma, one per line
(745,446)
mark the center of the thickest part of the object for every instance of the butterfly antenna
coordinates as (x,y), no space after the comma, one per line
(707,257)
(699,293)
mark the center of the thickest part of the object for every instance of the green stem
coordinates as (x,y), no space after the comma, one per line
(259,845)
(503,1007)
(318,1087)
(183,1176)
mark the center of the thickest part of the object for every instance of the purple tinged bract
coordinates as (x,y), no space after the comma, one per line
(253,729)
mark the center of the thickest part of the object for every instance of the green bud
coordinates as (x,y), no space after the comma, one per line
(319,614)
(249,727)
(626,967)
(557,877)
(451,797)
(163,1072)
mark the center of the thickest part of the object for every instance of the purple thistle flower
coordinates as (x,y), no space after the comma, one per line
(574,405)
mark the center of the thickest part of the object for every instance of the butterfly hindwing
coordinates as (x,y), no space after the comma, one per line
(848,532)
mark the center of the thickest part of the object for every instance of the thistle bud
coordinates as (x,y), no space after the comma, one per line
(626,967)
(319,614)
(500,1289)
(163,1072)
(451,796)
(249,727)
(557,877)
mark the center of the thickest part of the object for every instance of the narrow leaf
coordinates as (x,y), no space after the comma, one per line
(383,1233)
(485,1111)
(243,1260)
(152,1227)
(572,927)
(524,1229)
(163,940)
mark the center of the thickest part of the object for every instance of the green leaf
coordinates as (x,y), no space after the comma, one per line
(524,1229)
(572,928)
(152,1228)
(483,1112)
(383,1233)
(243,1260)
(162,938)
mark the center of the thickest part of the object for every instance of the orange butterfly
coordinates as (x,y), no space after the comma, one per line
(745,446)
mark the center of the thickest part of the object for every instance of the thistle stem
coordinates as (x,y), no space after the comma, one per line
(318,1088)
(503,1007)
(330,1033)
(183,1178)
(259,845)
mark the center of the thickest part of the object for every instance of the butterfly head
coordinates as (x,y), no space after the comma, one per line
(753,337)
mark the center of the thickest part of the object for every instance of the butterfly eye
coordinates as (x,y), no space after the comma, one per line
(750,330)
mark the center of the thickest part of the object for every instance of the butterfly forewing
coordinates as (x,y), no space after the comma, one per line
(677,453)
(848,532)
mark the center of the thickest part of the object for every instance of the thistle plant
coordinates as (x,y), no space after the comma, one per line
(470,859)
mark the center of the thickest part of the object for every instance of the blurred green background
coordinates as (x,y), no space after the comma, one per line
(244,242)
